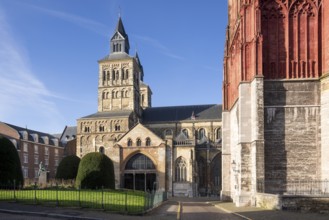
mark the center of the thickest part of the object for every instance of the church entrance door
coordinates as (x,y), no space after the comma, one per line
(140,173)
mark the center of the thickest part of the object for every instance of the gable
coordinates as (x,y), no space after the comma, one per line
(142,133)
(117,36)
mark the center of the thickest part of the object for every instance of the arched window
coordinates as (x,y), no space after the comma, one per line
(140,162)
(148,142)
(126,94)
(130,143)
(202,133)
(185,131)
(123,94)
(180,170)
(101,150)
(117,75)
(103,95)
(113,74)
(117,127)
(117,94)
(218,133)
(142,98)
(139,142)
(127,74)
(107,95)
(119,47)
(108,75)
(104,76)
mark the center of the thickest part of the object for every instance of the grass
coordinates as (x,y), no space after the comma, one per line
(110,200)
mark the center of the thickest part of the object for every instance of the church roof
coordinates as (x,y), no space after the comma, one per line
(109,114)
(183,113)
(116,56)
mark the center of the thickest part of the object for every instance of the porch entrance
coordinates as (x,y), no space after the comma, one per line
(140,174)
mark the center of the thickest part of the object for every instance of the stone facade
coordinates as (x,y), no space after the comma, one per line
(275,98)
(175,149)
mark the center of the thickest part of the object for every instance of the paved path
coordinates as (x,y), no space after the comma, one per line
(201,210)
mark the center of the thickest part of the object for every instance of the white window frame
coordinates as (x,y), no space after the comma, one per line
(36,149)
(36,159)
(25,147)
(26,158)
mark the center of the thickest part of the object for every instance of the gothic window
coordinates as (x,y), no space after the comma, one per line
(139,142)
(108,75)
(107,95)
(185,131)
(104,76)
(130,143)
(148,142)
(218,134)
(101,150)
(113,74)
(117,95)
(202,133)
(127,74)
(180,170)
(103,95)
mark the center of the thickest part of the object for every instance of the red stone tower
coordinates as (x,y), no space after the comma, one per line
(276,95)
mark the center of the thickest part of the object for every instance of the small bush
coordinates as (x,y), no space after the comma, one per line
(95,171)
(10,164)
(68,168)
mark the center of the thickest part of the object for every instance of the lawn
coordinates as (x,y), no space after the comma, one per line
(111,200)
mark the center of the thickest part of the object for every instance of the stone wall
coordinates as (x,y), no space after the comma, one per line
(325,128)
(292,128)
(268,201)
(305,204)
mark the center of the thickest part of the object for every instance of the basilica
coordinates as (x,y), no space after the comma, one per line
(176,149)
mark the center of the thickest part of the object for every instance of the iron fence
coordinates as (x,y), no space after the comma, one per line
(296,187)
(122,201)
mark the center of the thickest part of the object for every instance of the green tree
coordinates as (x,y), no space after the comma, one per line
(10,164)
(95,171)
(68,168)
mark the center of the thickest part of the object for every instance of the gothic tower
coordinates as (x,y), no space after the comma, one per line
(276,96)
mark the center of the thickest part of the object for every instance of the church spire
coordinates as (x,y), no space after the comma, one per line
(119,40)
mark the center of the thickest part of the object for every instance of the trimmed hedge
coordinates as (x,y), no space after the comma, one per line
(95,171)
(10,164)
(68,168)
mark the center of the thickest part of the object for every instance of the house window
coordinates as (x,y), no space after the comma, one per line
(36,149)
(26,158)
(148,142)
(46,161)
(168,132)
(139,142)
(46,150)
(130,143)
(25,147)
(56,152)
(180,170)
(25,172)
(56,162)
(36,159)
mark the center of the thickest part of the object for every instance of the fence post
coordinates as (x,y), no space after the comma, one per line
(35,192)
(14,190)
(57,202)
(126,201)
(79,189)
(102,197)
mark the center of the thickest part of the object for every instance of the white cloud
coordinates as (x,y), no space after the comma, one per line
(23,97)
(162,48)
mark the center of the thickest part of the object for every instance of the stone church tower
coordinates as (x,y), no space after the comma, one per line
(276,96)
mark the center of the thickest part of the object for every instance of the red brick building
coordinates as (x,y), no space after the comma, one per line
(34,147)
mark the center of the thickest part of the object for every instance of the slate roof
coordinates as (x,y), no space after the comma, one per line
(109,114)
(69,133)
(120,28)
(30,132)
(182,113)
(116,56)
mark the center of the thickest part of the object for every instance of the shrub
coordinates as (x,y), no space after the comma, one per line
(10,164)
(68,168)
(95,171)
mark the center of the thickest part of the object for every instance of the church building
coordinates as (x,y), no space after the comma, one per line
(175,149)
(276,98)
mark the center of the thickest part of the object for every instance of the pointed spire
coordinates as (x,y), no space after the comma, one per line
(120,28)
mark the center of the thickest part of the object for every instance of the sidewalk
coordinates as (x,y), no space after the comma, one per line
(161,213)
(264,214)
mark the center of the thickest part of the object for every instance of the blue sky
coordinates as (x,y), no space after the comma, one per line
(49,51)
